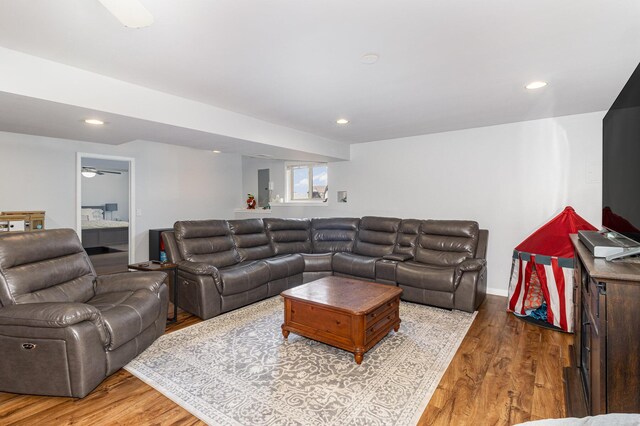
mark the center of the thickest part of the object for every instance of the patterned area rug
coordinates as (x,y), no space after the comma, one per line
(237,369)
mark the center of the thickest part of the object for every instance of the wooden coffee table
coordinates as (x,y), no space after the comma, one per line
(346,313)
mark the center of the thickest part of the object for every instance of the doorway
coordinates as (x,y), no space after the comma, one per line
(264,192)
(105,210)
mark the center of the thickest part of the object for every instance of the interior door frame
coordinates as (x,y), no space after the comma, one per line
(132,194)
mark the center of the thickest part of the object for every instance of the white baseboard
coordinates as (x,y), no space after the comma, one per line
(497,291)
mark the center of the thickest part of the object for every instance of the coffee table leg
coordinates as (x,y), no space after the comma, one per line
(396,327)
(358,355)
(285,333)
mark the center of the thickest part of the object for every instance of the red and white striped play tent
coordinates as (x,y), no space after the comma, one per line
(542,268)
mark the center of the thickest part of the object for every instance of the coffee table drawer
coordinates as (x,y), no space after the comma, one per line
(382,324)
(326,320)
(382,310)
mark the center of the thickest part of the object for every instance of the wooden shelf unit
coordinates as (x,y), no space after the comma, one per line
(24,221)
(604,376)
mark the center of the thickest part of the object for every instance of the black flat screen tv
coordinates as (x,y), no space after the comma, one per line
(621,162)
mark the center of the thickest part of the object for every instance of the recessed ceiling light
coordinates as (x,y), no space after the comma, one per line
(130,13)
(342,121)
(369,58)
(215,151)
(536,85)
(94,121)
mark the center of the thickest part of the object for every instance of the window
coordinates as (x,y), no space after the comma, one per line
(307,182)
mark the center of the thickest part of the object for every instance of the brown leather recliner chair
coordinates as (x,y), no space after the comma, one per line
(62,328)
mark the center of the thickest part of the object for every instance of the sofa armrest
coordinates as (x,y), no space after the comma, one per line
(49,315)
(469,265)
(399,257)
(197,268)
(130,281)
(470,284)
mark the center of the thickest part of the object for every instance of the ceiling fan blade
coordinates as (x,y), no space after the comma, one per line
(110,171)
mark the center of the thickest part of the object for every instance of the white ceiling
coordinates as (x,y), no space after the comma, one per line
(444,65)
(22,114)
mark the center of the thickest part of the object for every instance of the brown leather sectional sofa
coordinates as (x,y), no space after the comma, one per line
(226,264)
(63,329)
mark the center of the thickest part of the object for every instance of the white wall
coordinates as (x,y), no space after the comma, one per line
(510,178)
(250,167)
(107,188)
(172,182)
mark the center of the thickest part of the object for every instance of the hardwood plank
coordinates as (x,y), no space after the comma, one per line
(505,371)
(546,400)
(455,398)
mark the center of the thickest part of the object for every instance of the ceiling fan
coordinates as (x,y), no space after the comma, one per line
(90,172)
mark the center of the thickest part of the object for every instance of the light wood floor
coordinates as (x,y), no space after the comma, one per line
(506,371)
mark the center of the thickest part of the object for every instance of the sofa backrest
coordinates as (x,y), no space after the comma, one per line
(407,237)
(250,239)
(44,266)
(289,235)
(171,246)
(207,241)
(376,236)
(333,234)
(446,242)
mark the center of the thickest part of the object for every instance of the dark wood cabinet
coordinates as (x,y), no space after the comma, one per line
(604,376)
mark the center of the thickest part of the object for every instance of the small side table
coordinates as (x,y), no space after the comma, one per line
(165,267)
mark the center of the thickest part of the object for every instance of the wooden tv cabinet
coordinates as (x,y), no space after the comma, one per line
(604,376)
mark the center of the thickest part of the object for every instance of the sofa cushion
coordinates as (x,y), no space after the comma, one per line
(318,262)
(430,277)
(207,241)
(446,242)
(407,237)
(125,314)
(355,264)
(250,239)
(46,266)
(330,235)
(284,266)
(289,236)
(242,277)
(376,236)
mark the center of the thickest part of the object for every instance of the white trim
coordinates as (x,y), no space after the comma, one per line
(498,292)
(253,211)
(300,203)
(132,195)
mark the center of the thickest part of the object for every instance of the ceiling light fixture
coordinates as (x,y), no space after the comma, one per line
(342,121)
(536,85)
(369,58)
(94,121)
(88,173)
(130,13)
(215,151)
